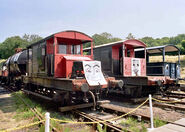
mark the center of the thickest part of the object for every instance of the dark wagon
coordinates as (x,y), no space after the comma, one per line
(119,59)
(168,72)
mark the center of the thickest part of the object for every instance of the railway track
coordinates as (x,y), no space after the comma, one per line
(108,110)
(174,104)
(173,107)
(172,101)
(34,110)
(119,110)
(102,118)
(175,95)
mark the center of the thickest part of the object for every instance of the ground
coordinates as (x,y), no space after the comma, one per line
(12,117)
(163,114)
(8,113)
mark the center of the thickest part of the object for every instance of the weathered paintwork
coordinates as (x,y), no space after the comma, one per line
(51,62)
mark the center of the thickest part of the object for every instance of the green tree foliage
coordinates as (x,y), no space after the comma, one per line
(31,38)
(7,48)
(183,43)
(130,36)
(104,38)
(149,41)
(182,46)
(177,40)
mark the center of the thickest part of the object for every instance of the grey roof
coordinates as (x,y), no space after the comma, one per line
(102,45)
(114,43)
(159,49)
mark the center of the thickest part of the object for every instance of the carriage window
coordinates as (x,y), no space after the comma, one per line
(72,49)
(78,49)
(128,53)
(140,54)
(62,49)
(68,49)
(75,49)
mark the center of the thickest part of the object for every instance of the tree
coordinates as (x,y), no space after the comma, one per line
(8,47)
(183,43)
(104,38)
(31,38)
(149,41)
(130,36)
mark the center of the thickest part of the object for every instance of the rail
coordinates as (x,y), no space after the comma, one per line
(35,111)
(76,122)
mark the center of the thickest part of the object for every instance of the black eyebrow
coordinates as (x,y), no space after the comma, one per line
(87,65)
(96,65)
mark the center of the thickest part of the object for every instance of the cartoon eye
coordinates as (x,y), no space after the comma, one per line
(88,70)
(97,70)
(137,64)
(133,64)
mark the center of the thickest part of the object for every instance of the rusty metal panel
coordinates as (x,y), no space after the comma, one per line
(134,80)
(34,59)
(50,82)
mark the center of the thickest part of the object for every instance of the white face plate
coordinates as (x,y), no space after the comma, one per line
(93,73)
(136,67)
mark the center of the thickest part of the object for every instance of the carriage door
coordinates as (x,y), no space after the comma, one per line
(121,60)
(50,58)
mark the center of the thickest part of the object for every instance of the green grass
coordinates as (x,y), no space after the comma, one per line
(158,122)
(132,124)
(24,112)
(100,129)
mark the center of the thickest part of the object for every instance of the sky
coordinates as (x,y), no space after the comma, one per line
(154,18)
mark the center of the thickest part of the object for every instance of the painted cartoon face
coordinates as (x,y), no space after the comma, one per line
(93,73)
(136,67)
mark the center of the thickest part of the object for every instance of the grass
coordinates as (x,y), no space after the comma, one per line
(158,122)
(132,124)
(100,129)
(23,112)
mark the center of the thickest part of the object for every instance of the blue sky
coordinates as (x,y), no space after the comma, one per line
(155,18)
